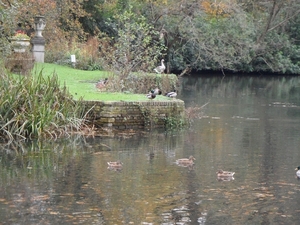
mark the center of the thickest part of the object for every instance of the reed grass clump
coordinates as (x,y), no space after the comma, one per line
(35,107)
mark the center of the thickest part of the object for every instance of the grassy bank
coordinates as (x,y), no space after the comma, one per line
(42,105)
(82,83)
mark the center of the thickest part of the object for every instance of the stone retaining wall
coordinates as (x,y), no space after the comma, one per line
(133,115)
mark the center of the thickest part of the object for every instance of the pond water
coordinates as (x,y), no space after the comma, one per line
(249,125)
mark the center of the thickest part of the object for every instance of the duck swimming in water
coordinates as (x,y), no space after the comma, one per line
(115,165)
(222,173)
(186,161)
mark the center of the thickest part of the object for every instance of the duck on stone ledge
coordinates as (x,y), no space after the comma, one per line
(151,95)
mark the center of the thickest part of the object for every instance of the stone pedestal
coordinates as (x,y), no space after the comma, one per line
(38,48)
(38,41)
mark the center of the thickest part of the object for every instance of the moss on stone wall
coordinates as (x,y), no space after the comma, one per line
(133,115)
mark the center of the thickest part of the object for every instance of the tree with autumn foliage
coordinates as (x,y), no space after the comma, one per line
(63,28)
(222,35)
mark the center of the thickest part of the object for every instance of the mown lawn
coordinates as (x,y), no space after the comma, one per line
(82,83)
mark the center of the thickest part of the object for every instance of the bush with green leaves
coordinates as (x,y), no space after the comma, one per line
(136,48)
(278,55)
(35,107)
(141,83)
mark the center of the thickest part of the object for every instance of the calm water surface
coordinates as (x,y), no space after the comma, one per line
(250,125)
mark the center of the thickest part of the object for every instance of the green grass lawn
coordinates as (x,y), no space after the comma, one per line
(82,83)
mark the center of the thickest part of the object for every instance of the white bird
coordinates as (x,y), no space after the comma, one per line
(171,94)
(161,68)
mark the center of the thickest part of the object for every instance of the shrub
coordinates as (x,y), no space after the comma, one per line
(136,48)
(55,51)
(88,55)
(141,83)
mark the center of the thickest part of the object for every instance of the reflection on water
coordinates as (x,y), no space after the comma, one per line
(251,126)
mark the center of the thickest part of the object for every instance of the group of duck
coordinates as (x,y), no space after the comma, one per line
(152,94)
(189,162)
(184,162)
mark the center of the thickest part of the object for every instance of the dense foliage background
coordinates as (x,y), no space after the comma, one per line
(221,35)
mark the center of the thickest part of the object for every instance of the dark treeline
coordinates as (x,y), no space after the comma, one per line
(218,35)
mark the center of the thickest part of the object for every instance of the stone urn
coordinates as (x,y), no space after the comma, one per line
(20,42)
(39,25)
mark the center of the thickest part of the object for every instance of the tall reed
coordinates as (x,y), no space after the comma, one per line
(35,107)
